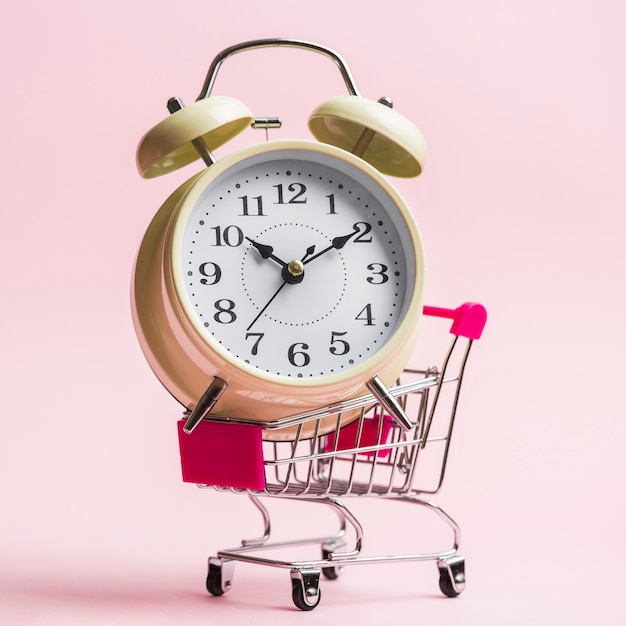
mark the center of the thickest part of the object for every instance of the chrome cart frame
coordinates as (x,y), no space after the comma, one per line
(372,456)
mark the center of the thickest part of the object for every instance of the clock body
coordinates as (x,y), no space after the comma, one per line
(292,270)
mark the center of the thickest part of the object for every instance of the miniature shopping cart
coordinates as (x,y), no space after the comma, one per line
(373,456)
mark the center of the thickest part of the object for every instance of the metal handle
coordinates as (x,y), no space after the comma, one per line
(269,43)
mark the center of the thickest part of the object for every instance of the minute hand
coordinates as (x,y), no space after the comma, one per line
(336,244)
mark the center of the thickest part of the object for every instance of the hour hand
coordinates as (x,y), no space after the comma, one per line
(336,244)
(266,252)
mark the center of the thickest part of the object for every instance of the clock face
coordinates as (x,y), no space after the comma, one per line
(296,263)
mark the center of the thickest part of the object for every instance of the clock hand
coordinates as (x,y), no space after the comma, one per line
(265,307)
(336,244)
(293,272)
(266,252)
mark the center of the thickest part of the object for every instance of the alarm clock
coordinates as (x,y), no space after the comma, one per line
(287,275)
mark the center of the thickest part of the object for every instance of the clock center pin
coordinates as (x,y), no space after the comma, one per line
(294,272)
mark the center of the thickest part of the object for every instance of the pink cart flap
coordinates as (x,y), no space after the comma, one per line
(369,433)
(223,455)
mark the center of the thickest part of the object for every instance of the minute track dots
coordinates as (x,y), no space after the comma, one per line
(328,227)
(320,294)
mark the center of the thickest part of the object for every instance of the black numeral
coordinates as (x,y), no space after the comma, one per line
(363,229)
(297,189)
(303,358)
(365,315)
(211,272)
(259,205)
(331,202)
(231,236)
(338,347)
(225,313)
(255,345)
(379,270)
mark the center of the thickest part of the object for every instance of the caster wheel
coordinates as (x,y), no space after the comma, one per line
(452,576)
(333,572)
(214,580)
(446,586)
(299,599)
(220,576)
(305,589)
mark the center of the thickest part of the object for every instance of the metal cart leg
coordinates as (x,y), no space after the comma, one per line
(334,571)
(451,565)
(221,571)
(266,524)
(345,516)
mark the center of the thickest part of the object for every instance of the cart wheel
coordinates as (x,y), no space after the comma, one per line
(305,591)
(215,583)
(452,576)
(299,599)
(333,572)
(446,586)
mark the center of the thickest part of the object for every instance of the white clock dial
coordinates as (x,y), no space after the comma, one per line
(296,263)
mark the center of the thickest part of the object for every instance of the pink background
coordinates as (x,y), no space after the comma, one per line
(521,207)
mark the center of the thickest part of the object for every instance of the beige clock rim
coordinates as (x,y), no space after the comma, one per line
(359,371)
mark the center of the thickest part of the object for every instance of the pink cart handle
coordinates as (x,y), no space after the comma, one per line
(469,319)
